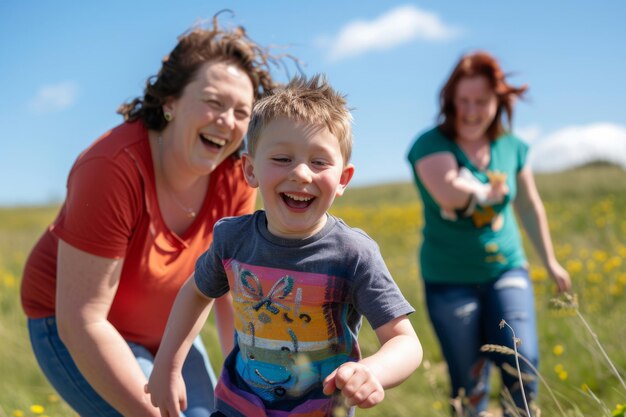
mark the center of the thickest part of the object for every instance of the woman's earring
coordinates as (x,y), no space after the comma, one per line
(168,116)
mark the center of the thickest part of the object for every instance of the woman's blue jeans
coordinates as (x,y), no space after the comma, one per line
(465,317)
(58,366)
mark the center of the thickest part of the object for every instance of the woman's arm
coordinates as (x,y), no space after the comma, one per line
(363,383)
(188,315)
(439,173)
(86,285)
(532,215)
(442,178)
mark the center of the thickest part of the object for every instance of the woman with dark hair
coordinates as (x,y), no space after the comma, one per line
(471,172)
(140,208)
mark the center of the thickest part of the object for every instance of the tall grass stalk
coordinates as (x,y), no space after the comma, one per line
(570,302)
(508,351)
(516,342)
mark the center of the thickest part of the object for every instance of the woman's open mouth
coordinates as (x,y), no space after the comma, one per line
(212,142)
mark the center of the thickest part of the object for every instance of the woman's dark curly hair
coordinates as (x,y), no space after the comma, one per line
(476,64)
(196,47)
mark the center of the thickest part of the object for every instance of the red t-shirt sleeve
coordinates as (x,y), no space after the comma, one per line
(101,207)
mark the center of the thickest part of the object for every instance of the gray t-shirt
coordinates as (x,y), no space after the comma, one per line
(298,307)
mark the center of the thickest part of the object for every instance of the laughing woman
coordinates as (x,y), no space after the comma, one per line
(140,208)
(471,173)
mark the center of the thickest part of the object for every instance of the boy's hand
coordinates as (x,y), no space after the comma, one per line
(357,384)
(169,395)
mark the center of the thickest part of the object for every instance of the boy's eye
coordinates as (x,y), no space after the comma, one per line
(320,163)
(281,159)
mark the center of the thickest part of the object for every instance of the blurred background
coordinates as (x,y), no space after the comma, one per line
(66,66)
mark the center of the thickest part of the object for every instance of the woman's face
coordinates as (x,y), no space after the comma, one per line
(210,118)
(476,105)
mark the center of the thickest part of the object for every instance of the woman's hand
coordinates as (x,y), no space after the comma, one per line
(496,193)
(560,276)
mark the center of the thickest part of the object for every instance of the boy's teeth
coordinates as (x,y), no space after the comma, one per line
(298,197)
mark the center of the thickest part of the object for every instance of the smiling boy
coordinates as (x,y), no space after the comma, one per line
(301,279)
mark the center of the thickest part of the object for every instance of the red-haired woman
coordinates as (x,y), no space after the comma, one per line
(471,172)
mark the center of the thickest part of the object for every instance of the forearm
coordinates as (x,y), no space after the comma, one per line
(396,360)
(535,222)
(166,386)
(110,367)
(186,319)
(440,175)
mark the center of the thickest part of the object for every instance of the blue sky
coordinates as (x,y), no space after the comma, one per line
(66,66)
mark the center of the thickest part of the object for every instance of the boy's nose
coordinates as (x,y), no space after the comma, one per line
(301,173)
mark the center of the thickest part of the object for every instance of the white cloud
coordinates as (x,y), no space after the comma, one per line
(529,134)
(577,145)
(55,97)
(398,26)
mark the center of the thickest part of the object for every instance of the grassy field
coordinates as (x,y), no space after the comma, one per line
(586,208)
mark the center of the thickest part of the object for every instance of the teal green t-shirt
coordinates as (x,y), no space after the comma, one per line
(479,248)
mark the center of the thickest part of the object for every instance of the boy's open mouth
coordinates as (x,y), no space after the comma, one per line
(297,201)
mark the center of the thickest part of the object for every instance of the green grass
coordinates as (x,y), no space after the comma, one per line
(586,211)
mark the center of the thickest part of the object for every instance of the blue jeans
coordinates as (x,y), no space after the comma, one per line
(58,366)
(465,317)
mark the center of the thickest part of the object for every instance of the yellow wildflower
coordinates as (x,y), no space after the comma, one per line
(36,409)
(574,266)
(558,350)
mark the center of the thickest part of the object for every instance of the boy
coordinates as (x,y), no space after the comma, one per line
(300,279)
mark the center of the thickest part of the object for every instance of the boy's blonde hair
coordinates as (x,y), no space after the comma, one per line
(304,100)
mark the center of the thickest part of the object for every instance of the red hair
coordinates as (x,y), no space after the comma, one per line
(472,65)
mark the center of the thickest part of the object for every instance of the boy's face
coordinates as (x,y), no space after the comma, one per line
(299,170)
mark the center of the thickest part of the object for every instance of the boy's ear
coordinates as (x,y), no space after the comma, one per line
(346,176)
(248,170)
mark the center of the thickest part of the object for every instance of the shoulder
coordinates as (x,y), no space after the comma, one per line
(429,142)
(353,240)
(119,154)
(116,141)
(229,226)
(511,140)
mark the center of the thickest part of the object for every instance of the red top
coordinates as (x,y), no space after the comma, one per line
(111,210)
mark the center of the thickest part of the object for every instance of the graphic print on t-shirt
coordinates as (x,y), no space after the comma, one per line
(290,328)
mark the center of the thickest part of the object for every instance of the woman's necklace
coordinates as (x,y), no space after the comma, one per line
(191,213)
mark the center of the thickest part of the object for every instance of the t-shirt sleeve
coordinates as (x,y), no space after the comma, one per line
(522,154)
(376,296)
(101,208)
(210,275)
(427,144)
